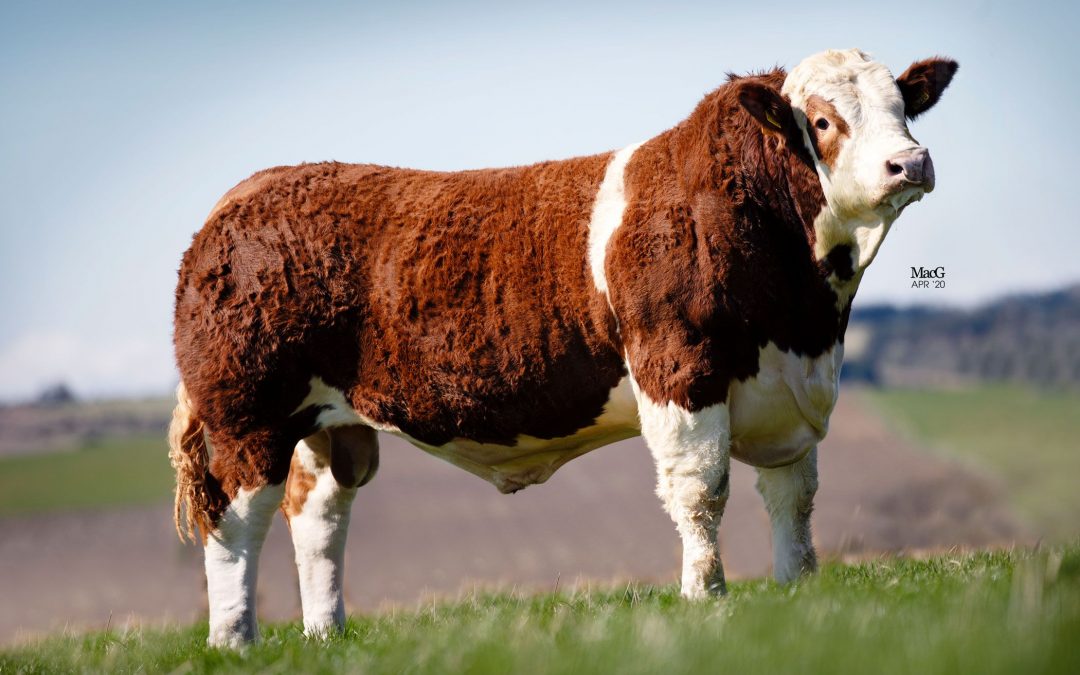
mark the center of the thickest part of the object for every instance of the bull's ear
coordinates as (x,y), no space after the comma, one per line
(921,84)
(766,105)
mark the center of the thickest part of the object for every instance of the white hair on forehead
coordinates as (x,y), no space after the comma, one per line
(849,78)
(865,94)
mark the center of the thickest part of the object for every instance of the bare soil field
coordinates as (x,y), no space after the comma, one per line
(424,528)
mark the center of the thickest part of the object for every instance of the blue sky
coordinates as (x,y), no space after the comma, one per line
(122,123)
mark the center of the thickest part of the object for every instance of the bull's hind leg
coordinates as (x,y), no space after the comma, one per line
(789,492)
(691,450)
(327,468)
(253,470)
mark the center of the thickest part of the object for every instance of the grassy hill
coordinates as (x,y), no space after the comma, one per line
(99,473)
(981,613)
(1026,439)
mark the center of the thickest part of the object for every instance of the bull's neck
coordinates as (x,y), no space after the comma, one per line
(720,149)
(784,189)
(770,190)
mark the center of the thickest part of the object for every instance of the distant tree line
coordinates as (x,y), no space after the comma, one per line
(1032,338)
(55,395)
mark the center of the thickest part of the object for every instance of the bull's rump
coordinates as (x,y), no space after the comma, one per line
(447,305)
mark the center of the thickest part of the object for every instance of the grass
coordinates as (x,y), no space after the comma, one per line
(1029,440)
(112,472)
(988,612)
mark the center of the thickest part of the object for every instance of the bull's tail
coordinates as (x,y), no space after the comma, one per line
(190,459)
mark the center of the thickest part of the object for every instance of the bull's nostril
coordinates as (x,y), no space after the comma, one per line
(893,168)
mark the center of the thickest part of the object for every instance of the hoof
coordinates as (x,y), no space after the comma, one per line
(322,631)
(715,589)
(232,637)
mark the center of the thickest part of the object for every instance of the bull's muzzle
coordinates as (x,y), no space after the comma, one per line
(910,168)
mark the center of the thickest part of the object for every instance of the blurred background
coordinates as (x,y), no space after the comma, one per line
(122,123)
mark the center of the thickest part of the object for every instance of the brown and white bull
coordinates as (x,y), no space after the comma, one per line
(693,288)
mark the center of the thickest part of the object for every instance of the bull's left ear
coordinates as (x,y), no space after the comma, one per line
(922,83)
(766,105)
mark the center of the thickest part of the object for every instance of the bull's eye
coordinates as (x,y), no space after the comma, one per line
(822,123)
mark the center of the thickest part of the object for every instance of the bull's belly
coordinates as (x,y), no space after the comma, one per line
(508,467)
(781,413)
(533,460)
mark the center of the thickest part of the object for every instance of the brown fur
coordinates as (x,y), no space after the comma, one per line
(447,304)
(299,483)
(828,142)
(923,82)
(715,257)
(462,305)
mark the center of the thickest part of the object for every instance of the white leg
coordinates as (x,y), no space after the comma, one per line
(692,463)
(318,506)
(789,498)
(232,565)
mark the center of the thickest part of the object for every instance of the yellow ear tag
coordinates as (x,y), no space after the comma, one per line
(772,119)
(923,98)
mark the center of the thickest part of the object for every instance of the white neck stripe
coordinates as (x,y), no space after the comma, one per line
(607,214)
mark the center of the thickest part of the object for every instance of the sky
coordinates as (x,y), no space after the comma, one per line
(122,123)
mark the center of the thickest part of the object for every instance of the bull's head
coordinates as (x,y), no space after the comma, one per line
(851,114)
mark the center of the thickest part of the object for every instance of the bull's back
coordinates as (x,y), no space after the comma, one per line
(447,305)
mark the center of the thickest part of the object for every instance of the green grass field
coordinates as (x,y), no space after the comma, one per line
(983,613)
(1029,440)
(112,472)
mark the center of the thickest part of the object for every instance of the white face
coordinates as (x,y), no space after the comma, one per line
(851,113)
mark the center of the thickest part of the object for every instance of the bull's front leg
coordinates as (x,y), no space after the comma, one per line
(691,450)
(789,492)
